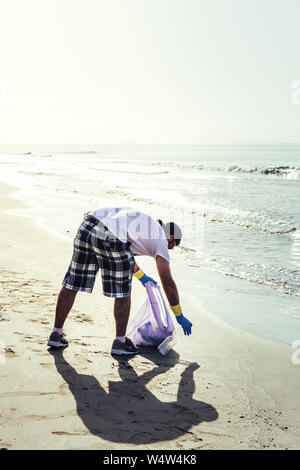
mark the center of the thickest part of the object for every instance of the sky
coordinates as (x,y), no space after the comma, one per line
(149,71)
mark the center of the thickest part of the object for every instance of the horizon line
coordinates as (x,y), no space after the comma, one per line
(150,143)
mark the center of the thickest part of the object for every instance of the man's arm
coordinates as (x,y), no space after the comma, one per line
(170,288)
(164,271)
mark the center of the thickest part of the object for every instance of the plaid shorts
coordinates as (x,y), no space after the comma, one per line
(96,247)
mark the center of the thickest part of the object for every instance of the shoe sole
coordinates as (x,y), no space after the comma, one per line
(56,344)
(120,352)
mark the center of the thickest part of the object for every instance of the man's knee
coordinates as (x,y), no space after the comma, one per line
(122,304)
(122,300)
(68,292)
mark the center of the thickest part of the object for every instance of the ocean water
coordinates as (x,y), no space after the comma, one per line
(238,207)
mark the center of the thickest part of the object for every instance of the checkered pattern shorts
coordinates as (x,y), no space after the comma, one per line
(95,247)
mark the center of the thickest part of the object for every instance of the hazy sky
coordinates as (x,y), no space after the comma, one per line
(135,71)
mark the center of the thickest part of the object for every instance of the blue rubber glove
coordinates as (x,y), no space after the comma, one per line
(185,323)
(145,279)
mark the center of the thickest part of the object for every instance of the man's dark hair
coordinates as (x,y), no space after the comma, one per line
(172,229)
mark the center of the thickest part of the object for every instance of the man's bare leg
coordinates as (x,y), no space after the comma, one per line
(64,304)
(121,314)
(121,344)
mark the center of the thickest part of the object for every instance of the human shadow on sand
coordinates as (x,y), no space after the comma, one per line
(129,412)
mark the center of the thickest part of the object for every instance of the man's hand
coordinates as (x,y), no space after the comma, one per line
(185,323)
(141,276)
(145,279)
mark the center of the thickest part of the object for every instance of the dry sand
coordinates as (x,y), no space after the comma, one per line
(221,388)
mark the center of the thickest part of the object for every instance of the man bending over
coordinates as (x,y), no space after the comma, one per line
(109,239)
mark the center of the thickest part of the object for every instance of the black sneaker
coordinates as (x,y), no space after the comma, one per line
(58,341)
(120,348)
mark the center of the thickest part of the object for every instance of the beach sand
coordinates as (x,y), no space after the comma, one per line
(221,388)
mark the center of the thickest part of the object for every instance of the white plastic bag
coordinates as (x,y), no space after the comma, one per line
(153,323)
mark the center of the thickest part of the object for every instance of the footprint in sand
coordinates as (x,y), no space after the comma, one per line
(9,352)
(82,317)
(46,365)
(65,433)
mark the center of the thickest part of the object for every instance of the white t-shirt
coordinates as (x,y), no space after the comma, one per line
(145,234)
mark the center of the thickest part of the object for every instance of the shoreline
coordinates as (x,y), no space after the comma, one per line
(232,398)
(39,221)
(32,210)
